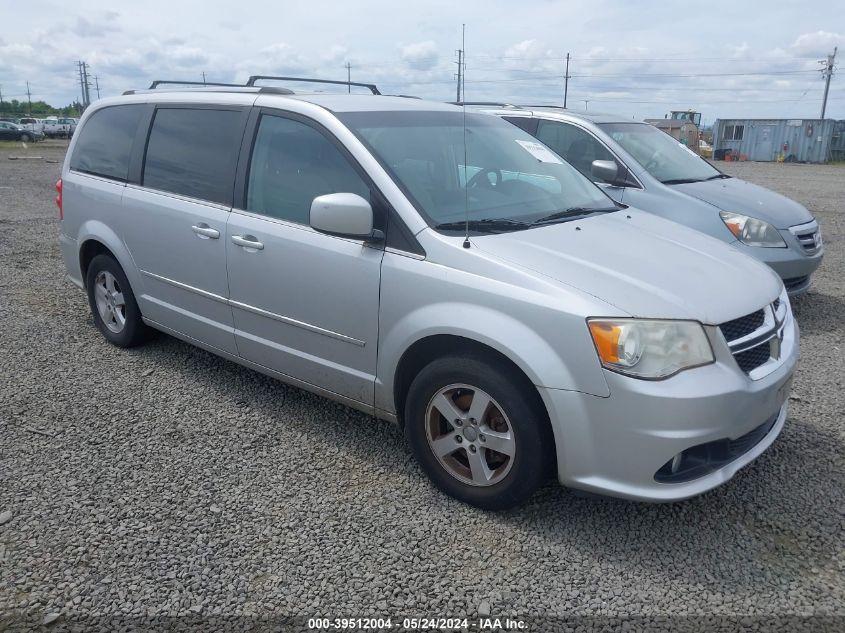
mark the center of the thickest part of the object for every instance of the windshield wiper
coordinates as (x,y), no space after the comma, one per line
(572,213)
(485,225)
(682,181)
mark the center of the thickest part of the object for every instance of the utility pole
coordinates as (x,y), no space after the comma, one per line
(203,78)
(586,103)
(827,73)
(81,82)
(348,78)
(459,63)
(87,84)
(29,99)
(97,86)
(566,81)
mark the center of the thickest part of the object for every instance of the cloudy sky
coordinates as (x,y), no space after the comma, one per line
(749,58)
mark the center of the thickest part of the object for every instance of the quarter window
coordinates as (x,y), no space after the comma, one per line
(292,163)
(193,152)
(105,142)
(578,147)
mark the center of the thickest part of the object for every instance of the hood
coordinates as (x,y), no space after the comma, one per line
(643,265)
(739,196)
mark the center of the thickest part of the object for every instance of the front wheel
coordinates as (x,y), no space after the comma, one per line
(113,306)
(478,432)
(25,138)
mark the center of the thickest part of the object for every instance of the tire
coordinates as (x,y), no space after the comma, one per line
(512,420)
(25,138)
(112,302)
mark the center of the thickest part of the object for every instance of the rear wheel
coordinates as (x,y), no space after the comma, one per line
(113,306)
(477,432)
(25,138)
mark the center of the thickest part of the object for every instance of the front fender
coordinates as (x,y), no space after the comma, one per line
(544,365)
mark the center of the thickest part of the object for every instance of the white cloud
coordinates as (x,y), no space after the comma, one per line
(420,55)
(820,43)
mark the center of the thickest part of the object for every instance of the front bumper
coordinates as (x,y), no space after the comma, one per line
(617,445)
(793,264)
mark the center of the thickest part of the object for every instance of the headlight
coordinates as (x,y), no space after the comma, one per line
(752,231)
(650,349)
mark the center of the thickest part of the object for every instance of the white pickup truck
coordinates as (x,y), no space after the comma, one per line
(59,128)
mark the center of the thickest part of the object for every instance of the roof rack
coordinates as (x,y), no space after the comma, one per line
(371,87)
(211,85)
(168,82)
(486,103)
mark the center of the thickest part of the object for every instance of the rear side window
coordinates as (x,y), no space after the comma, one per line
(193,152)
(105,142)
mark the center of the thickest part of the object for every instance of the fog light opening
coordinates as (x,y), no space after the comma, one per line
(676,462)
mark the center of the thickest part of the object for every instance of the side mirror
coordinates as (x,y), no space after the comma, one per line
(344,215)
(605,170)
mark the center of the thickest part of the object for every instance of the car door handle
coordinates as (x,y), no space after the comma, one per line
(247,241)
(205,231)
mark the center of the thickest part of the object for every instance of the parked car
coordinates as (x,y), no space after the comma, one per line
(59,127)
(14,132)
(637,164)
(36,126)
(439,269)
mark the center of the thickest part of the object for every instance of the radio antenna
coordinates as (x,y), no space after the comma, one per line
(464,107)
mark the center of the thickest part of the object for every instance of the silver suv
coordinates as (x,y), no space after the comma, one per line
(437,268)
(637,164)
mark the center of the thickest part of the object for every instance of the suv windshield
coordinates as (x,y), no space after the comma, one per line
(492,173)
(660,155)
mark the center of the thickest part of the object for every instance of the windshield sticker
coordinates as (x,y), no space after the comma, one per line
(540,152)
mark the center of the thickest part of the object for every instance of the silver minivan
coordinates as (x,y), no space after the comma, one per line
(436,268)
(639,165)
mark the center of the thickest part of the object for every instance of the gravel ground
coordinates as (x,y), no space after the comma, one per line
(164,481)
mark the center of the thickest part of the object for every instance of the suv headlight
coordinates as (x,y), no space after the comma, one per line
(752,231)
(650,349)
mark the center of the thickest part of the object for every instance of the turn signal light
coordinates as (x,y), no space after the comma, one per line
(606,337)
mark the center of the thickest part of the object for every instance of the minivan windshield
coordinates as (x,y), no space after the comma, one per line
(661,155)
(490,172)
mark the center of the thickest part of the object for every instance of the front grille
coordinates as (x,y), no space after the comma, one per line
(795,282)
(743,326)
(749,337)
(705,458)
(751,359)
(808,241)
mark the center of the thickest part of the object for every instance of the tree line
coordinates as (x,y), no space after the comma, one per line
(38,109)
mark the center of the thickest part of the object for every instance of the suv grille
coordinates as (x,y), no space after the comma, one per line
(743,326)
(754,337)
(751,359)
